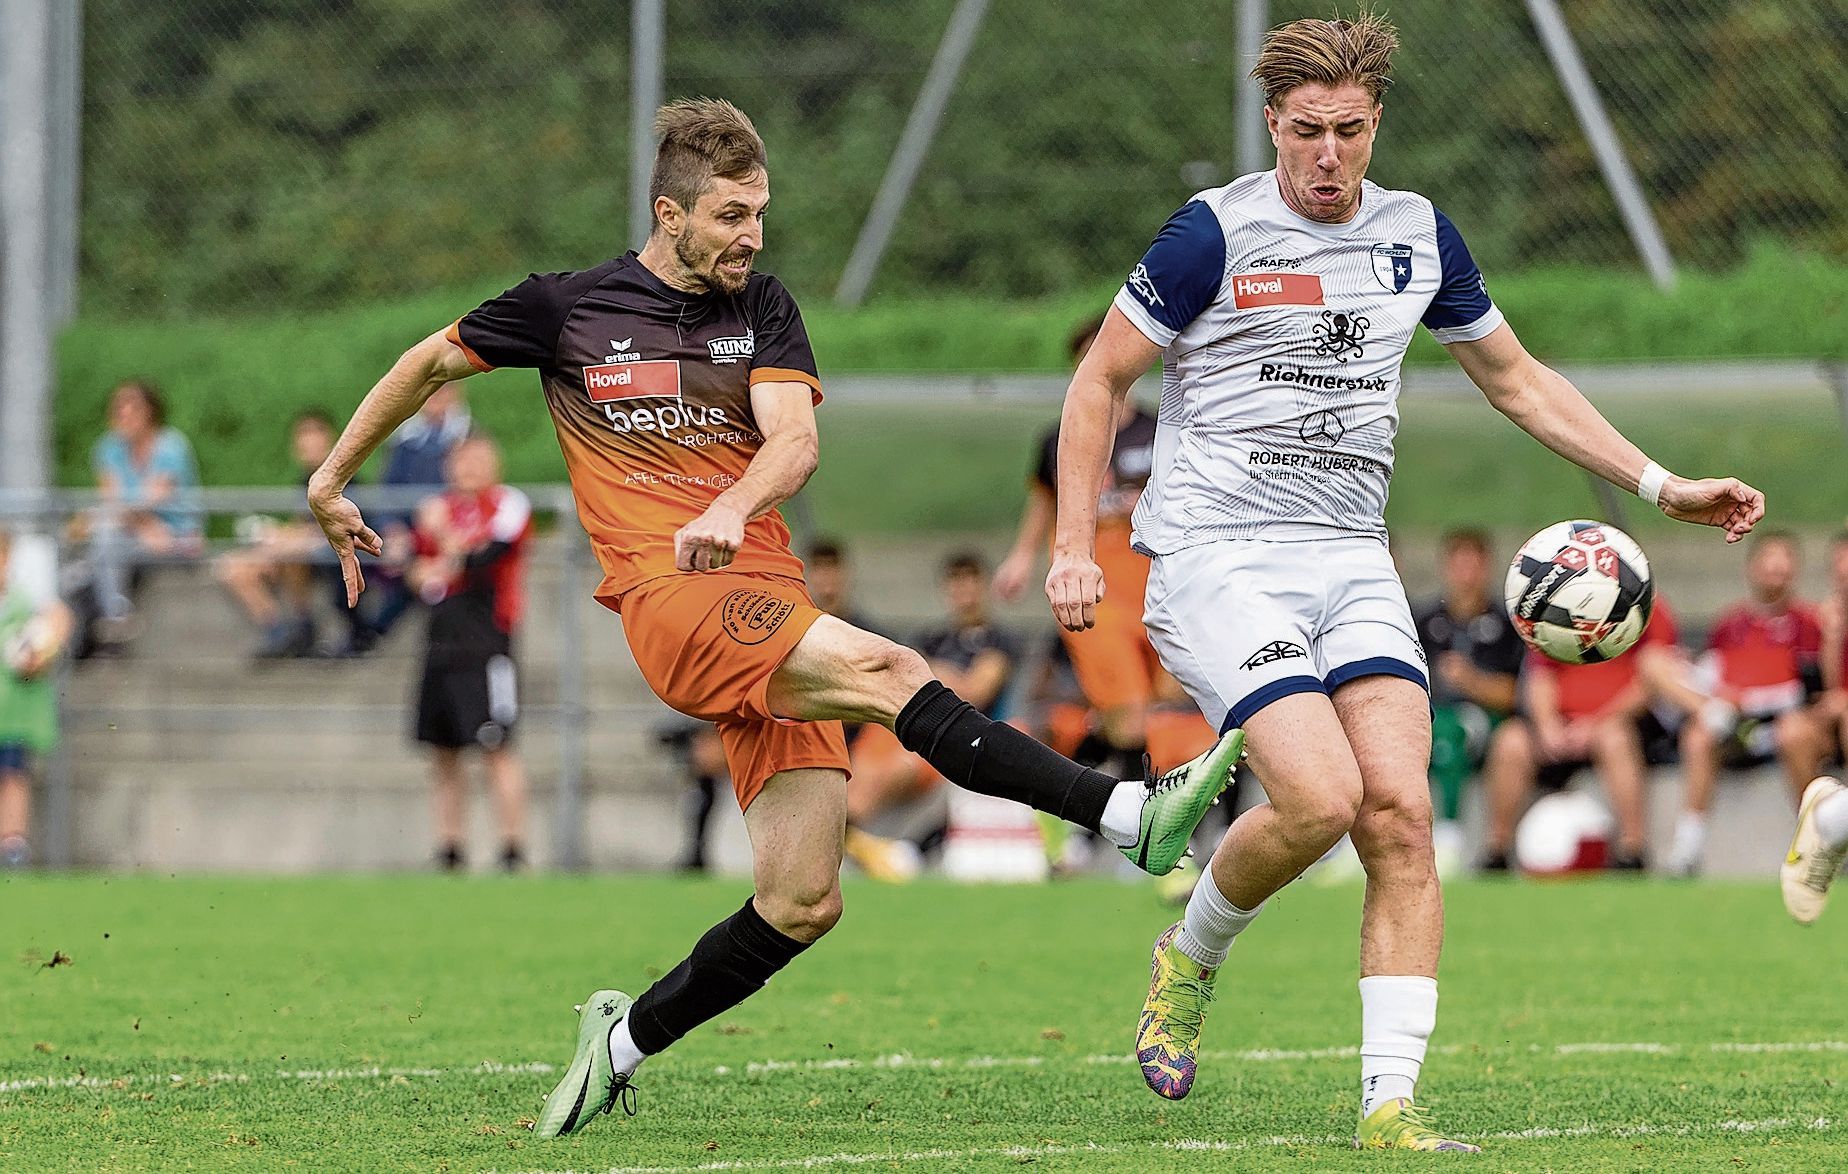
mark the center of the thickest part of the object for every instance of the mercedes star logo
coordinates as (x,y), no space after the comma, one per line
(1322,429)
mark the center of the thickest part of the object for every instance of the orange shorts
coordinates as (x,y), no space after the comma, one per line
(707,644)
(1114,662)
(1176,736)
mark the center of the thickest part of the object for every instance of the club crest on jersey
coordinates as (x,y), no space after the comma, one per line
(1392,266)
(730,350)
(649,379)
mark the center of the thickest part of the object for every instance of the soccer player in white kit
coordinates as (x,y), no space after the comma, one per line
(1281,306)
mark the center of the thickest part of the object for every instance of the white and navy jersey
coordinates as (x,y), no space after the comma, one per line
(1282,343)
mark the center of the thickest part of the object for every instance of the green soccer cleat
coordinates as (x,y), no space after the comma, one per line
(1400,1125)
(1174,804)
(591,1085)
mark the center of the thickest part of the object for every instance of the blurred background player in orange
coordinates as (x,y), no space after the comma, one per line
(974,657)
(1574,716)
(1474,656)
(1137,708)
(470,556)
(1760,668)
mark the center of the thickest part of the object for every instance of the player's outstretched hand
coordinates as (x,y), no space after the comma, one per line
(1012,575)
(347,533)
(711,541)
(1725,502)
(1074,585)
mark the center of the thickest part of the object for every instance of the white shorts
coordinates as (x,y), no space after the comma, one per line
(1242,623)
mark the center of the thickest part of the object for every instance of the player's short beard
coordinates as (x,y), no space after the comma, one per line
(703,269)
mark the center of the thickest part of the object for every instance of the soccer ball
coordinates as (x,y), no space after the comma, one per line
(1580,592)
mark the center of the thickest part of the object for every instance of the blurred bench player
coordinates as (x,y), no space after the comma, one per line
(683,389)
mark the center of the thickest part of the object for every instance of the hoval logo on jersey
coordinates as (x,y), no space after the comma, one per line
(730,350)
(1144,285)
(1252,290)
(1392,266)
(1273,652)
(652,379)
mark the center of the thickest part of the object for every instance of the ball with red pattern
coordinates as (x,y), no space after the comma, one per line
(1580,592)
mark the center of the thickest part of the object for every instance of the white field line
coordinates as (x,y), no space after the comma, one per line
(1192,1145)
(897,1061)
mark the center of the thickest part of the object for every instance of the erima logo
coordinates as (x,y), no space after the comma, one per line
(730,350)
(1273,652)
(1144,285)
(620,352)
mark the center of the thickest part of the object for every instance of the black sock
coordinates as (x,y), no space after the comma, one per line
(994,758)
(1093,751)
(727,966)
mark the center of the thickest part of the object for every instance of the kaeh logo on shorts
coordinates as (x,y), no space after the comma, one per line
(1251,290)
(648,379)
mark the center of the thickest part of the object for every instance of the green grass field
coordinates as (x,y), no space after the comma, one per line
(409,1023)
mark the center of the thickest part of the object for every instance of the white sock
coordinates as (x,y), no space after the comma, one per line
(1211,923)
(1690,838)
(624,1055)
(1397,1014)
(1832,820)
(1122,822)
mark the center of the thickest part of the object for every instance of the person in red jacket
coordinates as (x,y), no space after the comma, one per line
(1761,660)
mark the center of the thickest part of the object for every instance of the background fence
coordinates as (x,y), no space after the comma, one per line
(254,155)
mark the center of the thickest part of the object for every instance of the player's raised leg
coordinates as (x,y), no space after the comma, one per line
(839,671)
(1817,850)
(796,823)
(1313,784)
(1387,720)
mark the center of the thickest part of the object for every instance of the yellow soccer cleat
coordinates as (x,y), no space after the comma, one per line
(894,862)
(1810,865)
(1168,1036)
(1400,1125)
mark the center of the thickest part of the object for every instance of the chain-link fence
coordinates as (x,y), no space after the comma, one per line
(274,154)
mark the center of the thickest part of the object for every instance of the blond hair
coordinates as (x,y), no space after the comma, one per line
(702,138)
(1332,52)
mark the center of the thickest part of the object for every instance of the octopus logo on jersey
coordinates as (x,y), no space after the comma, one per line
(1144,285)
(1340,336)
(1392,266)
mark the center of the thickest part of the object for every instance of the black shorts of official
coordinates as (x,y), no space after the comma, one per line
(468,702)
(1659,749)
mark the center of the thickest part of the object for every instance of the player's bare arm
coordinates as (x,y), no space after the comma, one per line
(1035,528)
(1545,405)
(785,415)
(1087,430)
(393,400)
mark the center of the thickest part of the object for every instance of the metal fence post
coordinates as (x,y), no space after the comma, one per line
(573,709)
(1253,133)
(25,321)
(647,48)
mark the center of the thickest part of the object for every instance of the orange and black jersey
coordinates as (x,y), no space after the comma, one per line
(1132,459)
(650,392)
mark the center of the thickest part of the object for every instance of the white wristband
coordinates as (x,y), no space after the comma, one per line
(1649,485)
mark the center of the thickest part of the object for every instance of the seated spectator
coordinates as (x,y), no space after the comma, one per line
(1572,717)
(34,627)
(415,458)
(830,583)
(273,576)
(470,557)
(970,655)
(148,481)
(1760,659)
(1474,656)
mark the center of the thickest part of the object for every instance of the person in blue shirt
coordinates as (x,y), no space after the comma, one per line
(148,481)
(415,457)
